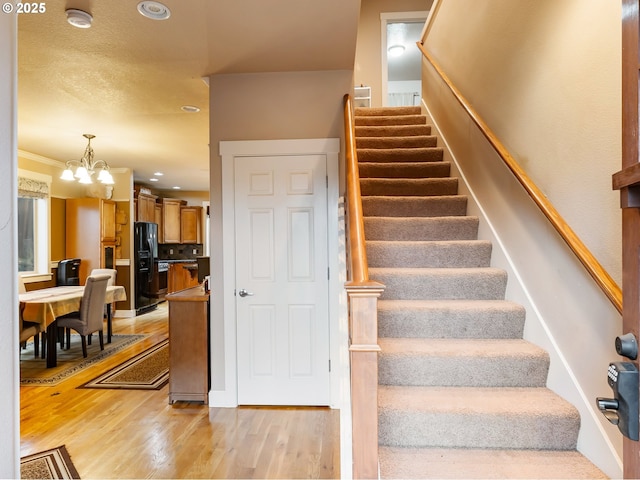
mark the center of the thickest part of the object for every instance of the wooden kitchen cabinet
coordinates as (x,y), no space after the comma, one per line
(190,224)
(160,221)
(146,207)
(108,223)
(189,378)
(171,219)
(90,231)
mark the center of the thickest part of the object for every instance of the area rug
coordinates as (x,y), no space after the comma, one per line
(33,371)
(54,463)
(148,370)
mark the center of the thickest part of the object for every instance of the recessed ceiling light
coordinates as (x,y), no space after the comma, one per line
(158,174)
(154,180)
(176,187)
(78,18)
(190,108)
(154,10)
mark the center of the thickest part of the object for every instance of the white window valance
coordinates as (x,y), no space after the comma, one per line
(32,188)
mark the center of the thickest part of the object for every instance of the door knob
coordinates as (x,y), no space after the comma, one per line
(244,293)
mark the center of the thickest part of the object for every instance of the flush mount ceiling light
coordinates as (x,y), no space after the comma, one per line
(87,166)
(396,50)
(190,108)
(154,10)
(78,18)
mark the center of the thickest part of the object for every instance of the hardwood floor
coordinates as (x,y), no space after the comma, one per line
(137,434)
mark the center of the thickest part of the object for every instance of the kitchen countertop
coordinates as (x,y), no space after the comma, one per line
(180,260)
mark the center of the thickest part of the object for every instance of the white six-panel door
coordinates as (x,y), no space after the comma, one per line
(281,264)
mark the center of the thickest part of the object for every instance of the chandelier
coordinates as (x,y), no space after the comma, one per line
(87,167)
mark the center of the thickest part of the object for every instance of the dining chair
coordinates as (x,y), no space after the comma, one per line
(89,318)
(29,329)
(112,281)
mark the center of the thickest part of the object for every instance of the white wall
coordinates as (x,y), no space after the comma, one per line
(567,314)
(9,362)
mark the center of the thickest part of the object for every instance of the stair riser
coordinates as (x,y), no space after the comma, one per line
(434,154)
(477,431)
(413,187)
(472,285)
(390,120)
(404,170)
(450,323)
(414,207)
(388,111)
(414,141)
(459,371)
(392,130)
(439,255)
(424,228)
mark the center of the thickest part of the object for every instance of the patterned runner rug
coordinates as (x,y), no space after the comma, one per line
(148,370)
(33,371)
(54,463)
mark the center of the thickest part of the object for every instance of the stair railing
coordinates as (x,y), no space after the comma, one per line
(362,295)
(584,255)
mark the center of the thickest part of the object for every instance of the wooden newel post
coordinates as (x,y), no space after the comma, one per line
(363,349)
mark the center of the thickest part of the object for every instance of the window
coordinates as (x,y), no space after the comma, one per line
(33,223)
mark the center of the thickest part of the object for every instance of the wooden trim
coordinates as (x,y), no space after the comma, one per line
(593,267)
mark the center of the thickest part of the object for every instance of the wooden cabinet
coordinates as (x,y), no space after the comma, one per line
(171,219)
(146,207)
(90,233)
(182,275)
(160,222)
(108,223)
(189,378)
(190,224)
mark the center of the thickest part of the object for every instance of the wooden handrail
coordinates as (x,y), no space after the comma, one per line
(363,320)
(359,271)
(593,267)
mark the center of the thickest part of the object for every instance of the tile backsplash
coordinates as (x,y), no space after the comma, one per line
(179,251)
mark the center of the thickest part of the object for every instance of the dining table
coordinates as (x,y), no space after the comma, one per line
(44,306)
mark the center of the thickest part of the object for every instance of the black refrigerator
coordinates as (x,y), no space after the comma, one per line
(146,251)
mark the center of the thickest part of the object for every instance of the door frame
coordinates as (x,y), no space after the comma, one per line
(385,19)
(628,182)
(229,150)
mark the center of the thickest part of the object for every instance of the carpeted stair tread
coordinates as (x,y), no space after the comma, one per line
(476,417)
(386,111)
(408,186)
(369,120)
(391,130)
(450,319)
(476,464)
(412,141)
(420,154)
(404,170)
(435,206)
(462,362)
(459,388)
(441,283)
(435,254)
(421,228)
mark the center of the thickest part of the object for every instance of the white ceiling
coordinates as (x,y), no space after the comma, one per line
(126,78)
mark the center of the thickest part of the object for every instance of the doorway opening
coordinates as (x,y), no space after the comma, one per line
(401,58)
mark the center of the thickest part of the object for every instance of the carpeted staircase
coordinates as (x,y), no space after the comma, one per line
(461,394)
